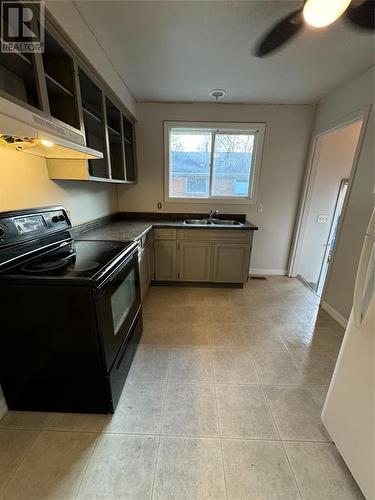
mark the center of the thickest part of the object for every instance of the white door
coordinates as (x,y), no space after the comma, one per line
(331,242)
(348,413)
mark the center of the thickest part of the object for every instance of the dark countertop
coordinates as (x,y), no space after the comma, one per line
(132,230)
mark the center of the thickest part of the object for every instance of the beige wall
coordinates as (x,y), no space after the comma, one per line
(24,183)
(338,106)
(333,160)
(286,141)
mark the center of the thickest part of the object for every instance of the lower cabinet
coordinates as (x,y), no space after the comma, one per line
(231,263)
(201,255)
(195,260)
(166,260)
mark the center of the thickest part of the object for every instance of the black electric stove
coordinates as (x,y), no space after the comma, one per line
(71,317)
(72,259)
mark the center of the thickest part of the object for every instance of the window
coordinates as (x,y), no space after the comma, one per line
(212,161)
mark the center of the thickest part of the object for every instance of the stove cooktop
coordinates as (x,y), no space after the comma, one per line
(72,259)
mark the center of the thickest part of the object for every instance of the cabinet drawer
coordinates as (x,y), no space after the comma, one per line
(216,235)
(165,234)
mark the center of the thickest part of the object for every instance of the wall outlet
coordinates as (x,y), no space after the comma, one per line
(322,219)
(159,205)
(260,208)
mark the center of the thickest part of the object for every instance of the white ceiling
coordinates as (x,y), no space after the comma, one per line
(178,50)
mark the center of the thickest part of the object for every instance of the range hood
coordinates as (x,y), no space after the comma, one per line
(22,130)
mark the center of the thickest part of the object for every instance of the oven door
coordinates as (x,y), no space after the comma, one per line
(118,302)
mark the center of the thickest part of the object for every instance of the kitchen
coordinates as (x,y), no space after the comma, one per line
(219,353)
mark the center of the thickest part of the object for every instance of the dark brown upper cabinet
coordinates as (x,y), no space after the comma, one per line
(61,86)
(94,124)
(129,150)
(60,81)
(18,77)
(116,152)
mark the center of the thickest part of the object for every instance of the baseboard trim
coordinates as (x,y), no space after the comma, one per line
(275,272)
(334,314)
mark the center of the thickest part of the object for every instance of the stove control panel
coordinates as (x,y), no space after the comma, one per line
(56,219)
(27,224)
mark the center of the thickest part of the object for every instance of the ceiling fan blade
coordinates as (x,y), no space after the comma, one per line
(362,15)
(279,34)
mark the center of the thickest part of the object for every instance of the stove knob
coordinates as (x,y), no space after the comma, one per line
(55,218)
(61,217)
(2,232)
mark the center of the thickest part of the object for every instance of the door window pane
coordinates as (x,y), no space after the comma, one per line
(232,164)
(190,153)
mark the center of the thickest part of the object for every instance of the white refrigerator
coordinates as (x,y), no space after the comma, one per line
(348,412)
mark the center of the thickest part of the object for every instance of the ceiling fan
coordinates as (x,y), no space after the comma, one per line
(316,13)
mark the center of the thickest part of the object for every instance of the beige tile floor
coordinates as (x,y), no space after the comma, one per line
(223,401)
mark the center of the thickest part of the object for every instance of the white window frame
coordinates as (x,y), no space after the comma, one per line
(258,129)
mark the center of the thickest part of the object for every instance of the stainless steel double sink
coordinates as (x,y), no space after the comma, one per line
(213,222)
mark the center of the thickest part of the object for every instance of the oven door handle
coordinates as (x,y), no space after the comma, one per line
(107,281)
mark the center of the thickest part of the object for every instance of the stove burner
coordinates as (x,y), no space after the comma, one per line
(48,265)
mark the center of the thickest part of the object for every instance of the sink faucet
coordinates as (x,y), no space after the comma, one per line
(212,214)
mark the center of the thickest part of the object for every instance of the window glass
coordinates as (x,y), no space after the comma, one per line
(232,164)
(210,160)
(190,153)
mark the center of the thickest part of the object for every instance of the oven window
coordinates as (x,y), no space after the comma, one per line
(122,300)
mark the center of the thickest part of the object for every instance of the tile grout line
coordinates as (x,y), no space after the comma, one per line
(282,444)
(210,348)
(87,464)
(278,431)
(212,436)
(24,456)
(161,423)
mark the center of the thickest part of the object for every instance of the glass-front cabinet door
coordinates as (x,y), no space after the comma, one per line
(18,69)
(93,118)
(128,138)
(60,81)
(116,155)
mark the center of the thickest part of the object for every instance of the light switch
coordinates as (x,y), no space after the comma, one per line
(260,208)
(322,219)
(159,205)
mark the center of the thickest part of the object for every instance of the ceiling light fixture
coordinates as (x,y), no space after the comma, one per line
(320,13)
(46,143)
(217,93)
